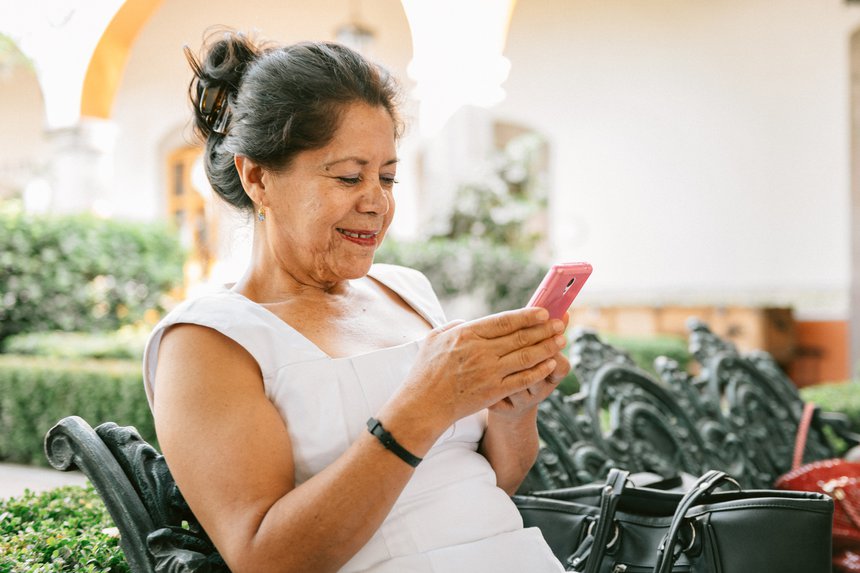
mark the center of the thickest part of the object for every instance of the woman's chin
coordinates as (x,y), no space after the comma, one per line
(356,269)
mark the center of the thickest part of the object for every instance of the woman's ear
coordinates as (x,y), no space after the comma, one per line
(251,174)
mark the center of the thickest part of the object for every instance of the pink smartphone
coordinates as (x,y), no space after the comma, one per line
(560,286)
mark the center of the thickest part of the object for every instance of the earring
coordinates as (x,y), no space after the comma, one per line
(261,214)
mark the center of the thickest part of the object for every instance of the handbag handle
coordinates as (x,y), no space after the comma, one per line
(703,486)
(609,496)
(802,434)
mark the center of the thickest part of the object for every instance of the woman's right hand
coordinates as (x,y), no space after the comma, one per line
(464,367)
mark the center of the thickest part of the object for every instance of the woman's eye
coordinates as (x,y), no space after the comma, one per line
(350,180)
(387,180)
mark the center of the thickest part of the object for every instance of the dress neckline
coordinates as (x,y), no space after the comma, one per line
(410,301)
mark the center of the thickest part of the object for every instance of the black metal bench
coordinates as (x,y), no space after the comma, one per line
(158,532)
(738,414)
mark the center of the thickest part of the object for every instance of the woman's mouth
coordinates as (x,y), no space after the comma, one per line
(359,237)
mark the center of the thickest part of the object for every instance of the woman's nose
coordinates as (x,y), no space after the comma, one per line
(375,198)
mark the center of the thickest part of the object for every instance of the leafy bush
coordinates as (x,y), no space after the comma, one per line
(126,343)
(82,273)
(836,397)
(642,350)
(65,529)
(35,393)
(504,201)
(502,277)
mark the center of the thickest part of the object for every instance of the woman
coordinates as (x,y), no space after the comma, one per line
(295,406)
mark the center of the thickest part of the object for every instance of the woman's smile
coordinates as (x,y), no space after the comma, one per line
(360,237)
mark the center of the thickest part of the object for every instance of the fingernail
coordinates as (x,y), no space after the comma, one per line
(557,325)
(543,314)
(551,363)
(561,341)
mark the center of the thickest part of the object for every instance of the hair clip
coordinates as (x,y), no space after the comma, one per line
(212,103)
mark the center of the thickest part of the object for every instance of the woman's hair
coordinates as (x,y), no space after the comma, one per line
(269,103)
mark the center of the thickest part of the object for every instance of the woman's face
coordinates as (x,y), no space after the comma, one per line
(327,212)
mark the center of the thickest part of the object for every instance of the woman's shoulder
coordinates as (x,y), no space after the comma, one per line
(211,307)
(413,287)
(269,340)
(396,275)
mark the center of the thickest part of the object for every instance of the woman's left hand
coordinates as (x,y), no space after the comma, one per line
(524,401)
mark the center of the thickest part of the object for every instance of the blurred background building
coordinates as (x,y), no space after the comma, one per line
(701,155)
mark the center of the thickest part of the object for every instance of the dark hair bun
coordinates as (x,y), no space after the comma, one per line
(217,77)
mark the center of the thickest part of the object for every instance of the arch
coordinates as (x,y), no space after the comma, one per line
(107,64)
(22,147)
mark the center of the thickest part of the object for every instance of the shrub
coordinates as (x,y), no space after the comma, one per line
(504,202)
(502,277)
(836,397)
(126,343)
(642,350)
(82,273)
(35,393)
(65,529)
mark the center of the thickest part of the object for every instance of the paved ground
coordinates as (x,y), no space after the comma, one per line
(14,479)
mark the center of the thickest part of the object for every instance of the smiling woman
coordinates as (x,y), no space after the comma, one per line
(356,430)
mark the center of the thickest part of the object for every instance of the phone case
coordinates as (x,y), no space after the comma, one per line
(560,286)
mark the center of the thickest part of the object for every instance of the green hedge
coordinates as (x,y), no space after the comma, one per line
(126,343)
(36,392)
(836,397)
(645,350)
(65,529)
(82,273)
(642,350)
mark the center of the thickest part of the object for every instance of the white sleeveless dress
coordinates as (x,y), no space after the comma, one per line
(451,517)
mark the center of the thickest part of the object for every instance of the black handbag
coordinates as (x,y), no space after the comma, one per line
(618,528)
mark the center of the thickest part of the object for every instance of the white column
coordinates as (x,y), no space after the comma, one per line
(455,156)
(457,55)
(80,167)
(854,312)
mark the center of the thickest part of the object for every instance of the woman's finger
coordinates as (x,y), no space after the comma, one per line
(526,358)
(522,379)
(508,322)
(561,370)
(530,336)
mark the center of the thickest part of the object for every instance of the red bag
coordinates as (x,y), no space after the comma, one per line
(838,478)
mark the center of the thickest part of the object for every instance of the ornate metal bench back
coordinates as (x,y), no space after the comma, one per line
(158,532)
(739,414)
(622,417)
(758,404)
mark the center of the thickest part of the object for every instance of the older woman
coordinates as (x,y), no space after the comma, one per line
(320,414)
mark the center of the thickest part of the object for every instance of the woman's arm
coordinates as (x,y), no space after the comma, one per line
(511,447)
(231,456)
(230,453)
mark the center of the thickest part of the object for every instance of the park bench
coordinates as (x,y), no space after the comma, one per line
(738,413)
